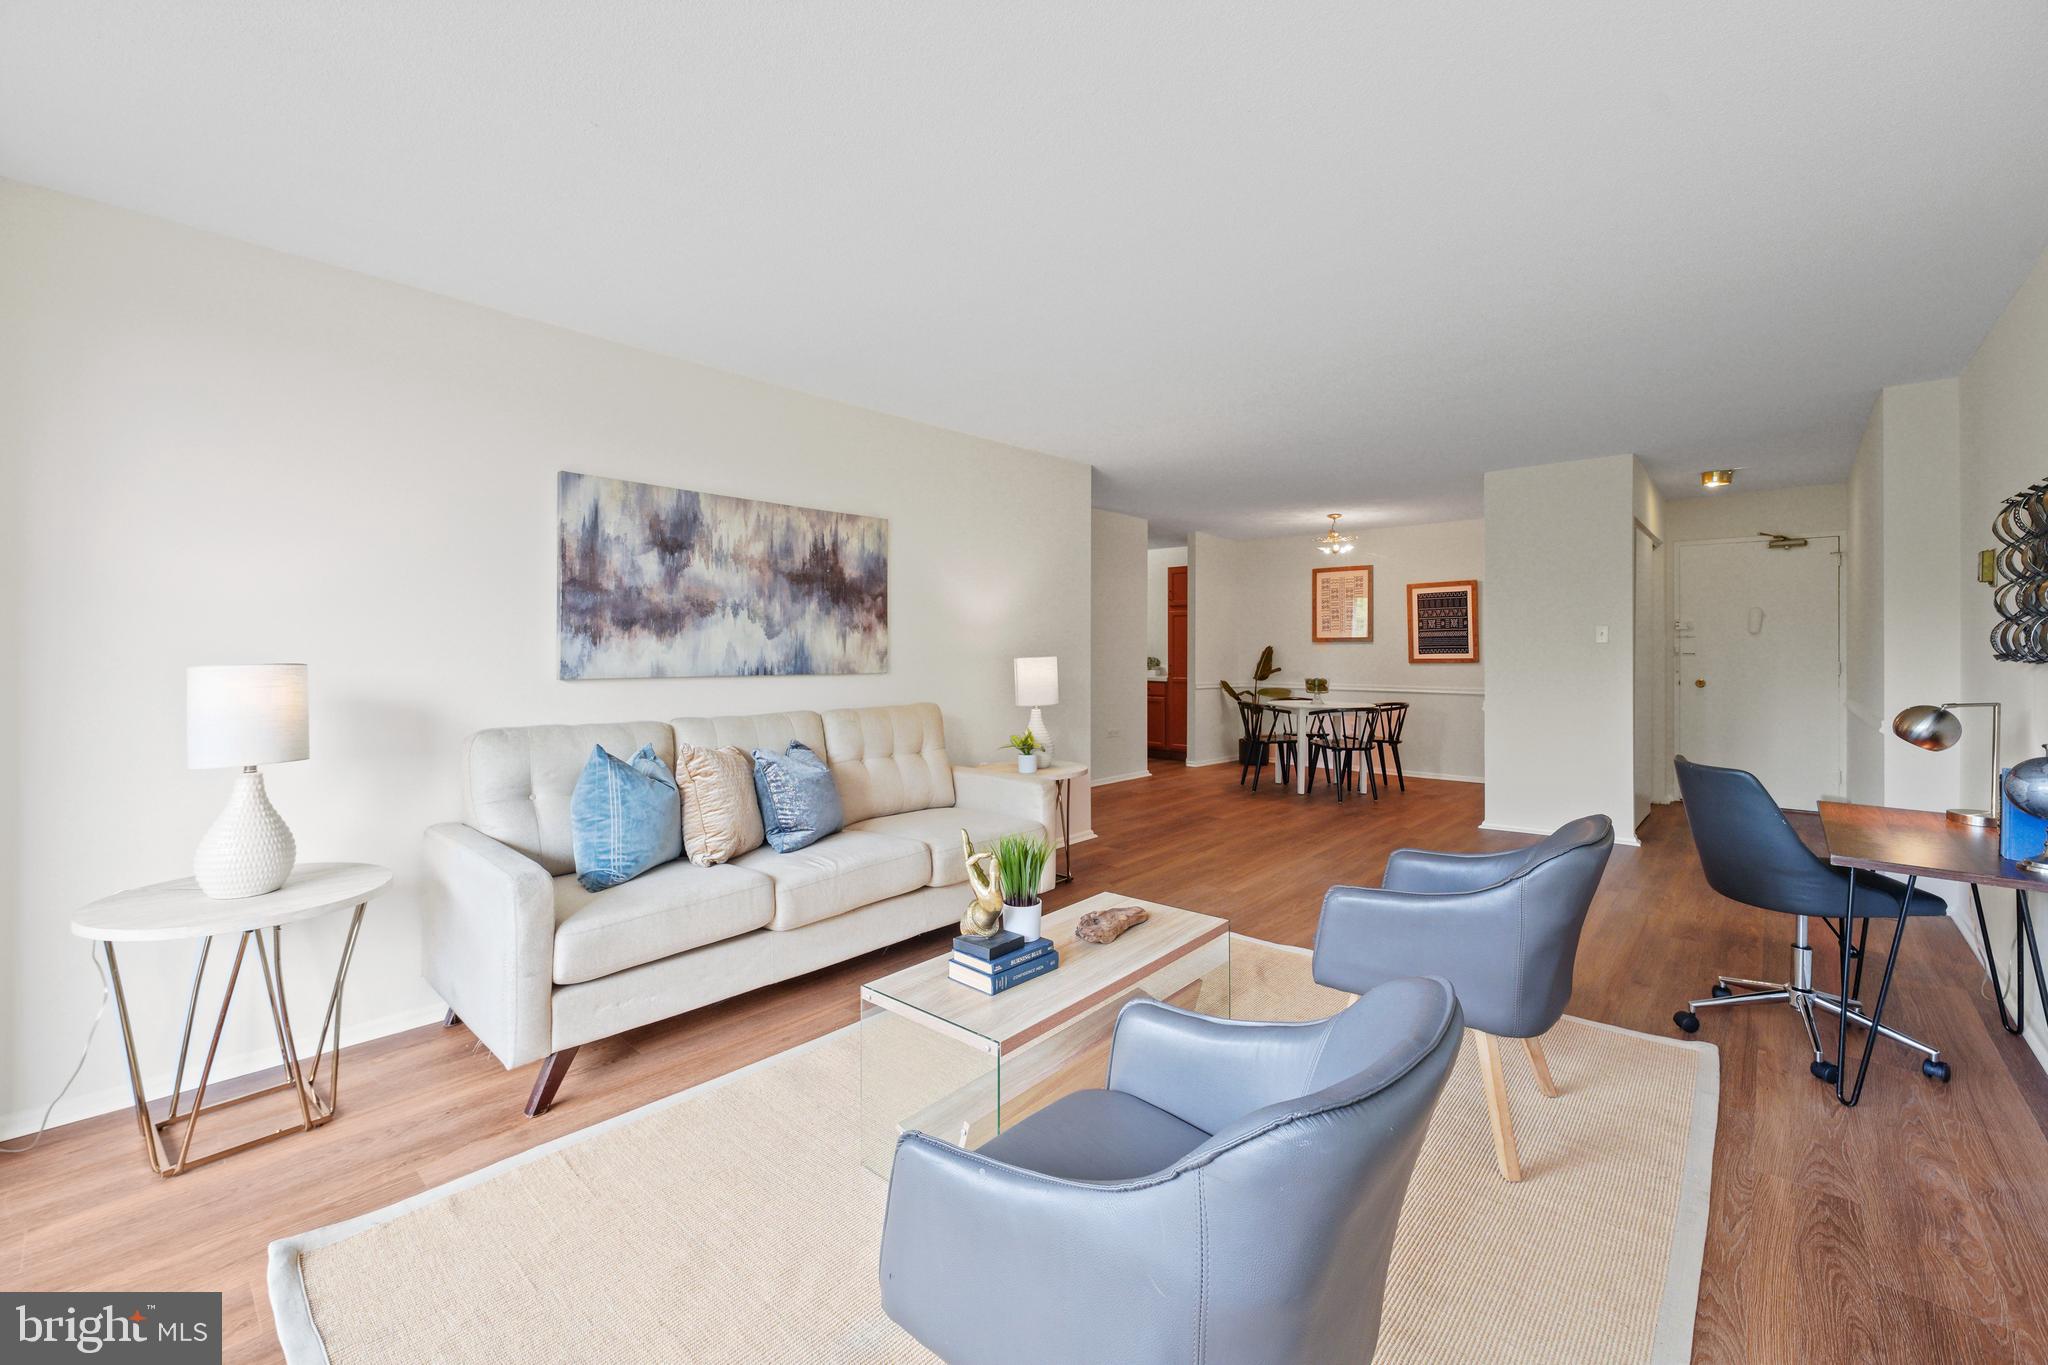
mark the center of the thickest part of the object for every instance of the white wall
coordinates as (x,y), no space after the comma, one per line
(1905,633)
(2003,422)
(1157,562)
(1560,709)
(232,455)
(1214,643)
(1263,599)
(1117,734)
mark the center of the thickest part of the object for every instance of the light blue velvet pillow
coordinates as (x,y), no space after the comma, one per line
(624,818)
(799,800)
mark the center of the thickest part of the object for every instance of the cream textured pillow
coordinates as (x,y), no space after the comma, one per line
(721,813)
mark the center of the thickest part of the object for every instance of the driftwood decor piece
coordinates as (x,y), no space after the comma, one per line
(1107,926)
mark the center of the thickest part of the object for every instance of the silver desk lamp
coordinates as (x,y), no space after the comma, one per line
(1937,728)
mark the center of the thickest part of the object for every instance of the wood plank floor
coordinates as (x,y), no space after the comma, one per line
(1913,1228)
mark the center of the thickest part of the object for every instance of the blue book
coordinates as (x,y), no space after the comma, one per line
(1029,952)
(2020,835)
(995,945)
(1002,981)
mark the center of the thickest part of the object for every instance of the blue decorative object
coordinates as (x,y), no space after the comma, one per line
(799,800)
(624,818)
(2023,831)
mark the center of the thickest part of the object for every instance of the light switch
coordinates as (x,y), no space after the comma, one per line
(1599,635)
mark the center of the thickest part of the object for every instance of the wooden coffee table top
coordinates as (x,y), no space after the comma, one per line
(1088,974)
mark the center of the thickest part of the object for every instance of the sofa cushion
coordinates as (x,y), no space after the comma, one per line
(840,872)
(624,817)
(1095,1135)
(721,809)
(939,831)
(671,909)
(799,799)
(769,730)
(889,759)
(518,781)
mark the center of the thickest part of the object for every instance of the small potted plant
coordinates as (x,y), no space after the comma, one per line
(1020,864)
(1316,687)
(1026,746)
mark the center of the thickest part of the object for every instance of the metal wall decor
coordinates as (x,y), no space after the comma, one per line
(2021,590)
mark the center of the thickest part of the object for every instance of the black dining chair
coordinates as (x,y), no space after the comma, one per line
(1341,740)
(1257,746)
(1393,717)
(1750,853)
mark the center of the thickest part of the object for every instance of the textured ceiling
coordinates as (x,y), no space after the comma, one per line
(1254,262)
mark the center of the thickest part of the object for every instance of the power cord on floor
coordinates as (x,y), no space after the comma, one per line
(106,994)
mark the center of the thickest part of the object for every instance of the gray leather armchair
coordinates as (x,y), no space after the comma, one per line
(1502,928)
(1232,1195)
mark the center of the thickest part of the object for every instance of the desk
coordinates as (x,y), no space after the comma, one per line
(1915,844)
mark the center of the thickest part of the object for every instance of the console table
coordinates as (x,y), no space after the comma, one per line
(180,910)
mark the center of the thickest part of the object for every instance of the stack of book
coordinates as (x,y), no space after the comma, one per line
(993,965)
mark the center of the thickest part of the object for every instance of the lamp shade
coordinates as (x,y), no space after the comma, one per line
(1928,727)
(1038,681)
(241,715)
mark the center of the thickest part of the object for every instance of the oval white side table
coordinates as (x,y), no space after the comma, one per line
(180,910)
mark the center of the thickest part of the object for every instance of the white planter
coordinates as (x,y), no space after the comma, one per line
(1027,763)
(1023,919)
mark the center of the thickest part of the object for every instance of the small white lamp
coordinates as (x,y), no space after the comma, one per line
(1038,684)
(237,716)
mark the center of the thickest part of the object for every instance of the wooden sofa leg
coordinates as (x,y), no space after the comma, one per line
(450,1020)
(1541,1065)
(549,1081)
(1504,1152)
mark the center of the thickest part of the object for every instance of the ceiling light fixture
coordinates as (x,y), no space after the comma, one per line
(1334,541)
(1716,478)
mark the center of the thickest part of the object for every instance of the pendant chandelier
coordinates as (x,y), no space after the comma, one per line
(1334,541)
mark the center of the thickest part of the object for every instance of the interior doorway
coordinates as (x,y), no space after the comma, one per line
(1167,627)
(1758,682)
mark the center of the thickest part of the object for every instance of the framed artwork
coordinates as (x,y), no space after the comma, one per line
(656,582)
(1340,603)
(1443,622)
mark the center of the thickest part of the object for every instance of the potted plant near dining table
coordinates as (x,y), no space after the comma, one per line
(1020,865)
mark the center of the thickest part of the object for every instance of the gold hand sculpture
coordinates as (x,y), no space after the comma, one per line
(985,916)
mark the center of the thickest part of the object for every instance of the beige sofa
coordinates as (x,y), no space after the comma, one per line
(537,966)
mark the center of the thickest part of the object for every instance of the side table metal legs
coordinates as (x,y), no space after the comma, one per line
(2023,947)
(1063,798)
(168,1156)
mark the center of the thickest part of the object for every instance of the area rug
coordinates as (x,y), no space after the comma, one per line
(733,1221)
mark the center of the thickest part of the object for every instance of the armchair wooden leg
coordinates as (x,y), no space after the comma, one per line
(549,1081)
(1541,1065)
(1497,1107)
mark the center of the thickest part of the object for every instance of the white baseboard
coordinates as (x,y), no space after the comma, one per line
(2033,1037)
(1207,762)
(1081,836)
(1449,777)
(1628,839)
(108,1099)
(1120,777)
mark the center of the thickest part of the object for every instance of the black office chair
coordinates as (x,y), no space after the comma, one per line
(1752,854)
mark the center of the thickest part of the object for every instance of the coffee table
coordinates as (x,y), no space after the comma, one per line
(943,1059)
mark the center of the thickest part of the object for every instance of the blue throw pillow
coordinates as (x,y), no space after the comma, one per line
(799,801)
(624,818)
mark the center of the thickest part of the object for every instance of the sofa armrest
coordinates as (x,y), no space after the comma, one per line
(1015,794)
(488,940)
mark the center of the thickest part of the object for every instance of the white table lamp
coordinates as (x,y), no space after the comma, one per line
(239,716)
(1038,684)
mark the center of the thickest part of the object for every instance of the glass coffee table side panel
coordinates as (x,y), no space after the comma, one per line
(914,1076)
(1075,1056)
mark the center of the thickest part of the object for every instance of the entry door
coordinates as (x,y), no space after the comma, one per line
(1759,663)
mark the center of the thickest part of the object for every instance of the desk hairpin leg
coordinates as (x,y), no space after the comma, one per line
(1846,1093)
(2023,947)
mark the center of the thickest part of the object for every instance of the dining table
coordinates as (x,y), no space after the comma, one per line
(1302,708)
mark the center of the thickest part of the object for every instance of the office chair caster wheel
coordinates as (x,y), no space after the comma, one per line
(1935,1071)
(1687,1020)
(1721,992)
(1827,1073)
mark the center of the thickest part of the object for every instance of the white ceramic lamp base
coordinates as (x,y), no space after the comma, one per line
(249,851)
(1039,731)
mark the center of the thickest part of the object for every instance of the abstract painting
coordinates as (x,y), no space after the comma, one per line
(1443,622)
(659,582)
